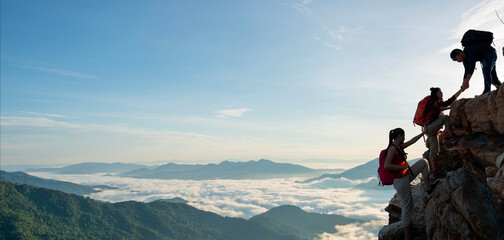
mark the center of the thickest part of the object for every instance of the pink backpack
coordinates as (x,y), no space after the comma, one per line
(386,177)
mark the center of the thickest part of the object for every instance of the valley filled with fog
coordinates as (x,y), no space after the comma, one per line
(247,198)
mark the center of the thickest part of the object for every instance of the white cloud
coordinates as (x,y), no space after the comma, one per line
(238,112)
(482,17)
(46,114)
(246,198)
(232,198)
(45,122)
(333,46)
(335,37)
(354,231)
(9,121)
(302,6)
(66,73)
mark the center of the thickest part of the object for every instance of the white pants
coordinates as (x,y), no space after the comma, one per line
(403,188)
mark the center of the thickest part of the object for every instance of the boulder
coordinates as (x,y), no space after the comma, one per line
(469,202)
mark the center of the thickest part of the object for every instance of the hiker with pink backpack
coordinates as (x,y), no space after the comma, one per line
(395,170)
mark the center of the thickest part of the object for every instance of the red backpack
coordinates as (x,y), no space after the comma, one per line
(420,112)
(386,177)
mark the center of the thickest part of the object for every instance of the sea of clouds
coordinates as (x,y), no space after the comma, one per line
(246,198)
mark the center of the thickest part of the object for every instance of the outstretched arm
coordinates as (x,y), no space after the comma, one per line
(465,84)
(457,94)
(413,140)
(447,105)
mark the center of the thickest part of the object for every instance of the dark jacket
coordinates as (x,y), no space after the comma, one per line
(433,109)
(475,53)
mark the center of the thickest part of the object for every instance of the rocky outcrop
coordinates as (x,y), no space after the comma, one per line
(469,202)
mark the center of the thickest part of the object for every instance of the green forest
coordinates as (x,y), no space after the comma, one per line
(37,213)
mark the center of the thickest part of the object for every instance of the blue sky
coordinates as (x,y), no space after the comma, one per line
(196,81)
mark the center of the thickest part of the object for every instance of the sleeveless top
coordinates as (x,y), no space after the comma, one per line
(398,160)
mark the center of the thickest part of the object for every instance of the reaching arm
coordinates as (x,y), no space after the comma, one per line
(392,151)
(446,105)
(413,140)
(465,84)
(457,94)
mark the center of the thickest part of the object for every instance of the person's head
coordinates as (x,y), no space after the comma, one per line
(436,93)
(457,55)
(396,135)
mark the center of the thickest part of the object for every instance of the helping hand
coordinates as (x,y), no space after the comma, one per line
(465,85)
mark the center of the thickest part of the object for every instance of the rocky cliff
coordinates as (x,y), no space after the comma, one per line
(469,202)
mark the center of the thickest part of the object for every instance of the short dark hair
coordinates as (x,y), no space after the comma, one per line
(454,53)
(434,91)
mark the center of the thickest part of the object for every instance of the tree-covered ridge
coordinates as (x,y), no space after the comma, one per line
(37,213)
(68,187)
(294,220)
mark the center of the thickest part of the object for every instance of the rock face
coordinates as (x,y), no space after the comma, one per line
(469,202)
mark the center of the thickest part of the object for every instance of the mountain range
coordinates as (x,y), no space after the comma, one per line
(367,170)
(90,168)
(262,169)
(37,213)
(68,187)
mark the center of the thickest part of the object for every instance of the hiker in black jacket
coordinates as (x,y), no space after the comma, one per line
(473,53)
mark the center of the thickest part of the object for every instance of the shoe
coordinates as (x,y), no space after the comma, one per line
(497,86)
(455,139)
(432,187)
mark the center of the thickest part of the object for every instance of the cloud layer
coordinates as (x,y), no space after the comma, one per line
(246,198)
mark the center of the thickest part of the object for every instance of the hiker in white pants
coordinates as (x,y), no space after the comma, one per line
(404,174)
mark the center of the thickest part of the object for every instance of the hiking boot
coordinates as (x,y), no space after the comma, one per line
(432,187)
(455,139)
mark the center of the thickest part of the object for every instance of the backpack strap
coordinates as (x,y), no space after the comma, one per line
(403,154)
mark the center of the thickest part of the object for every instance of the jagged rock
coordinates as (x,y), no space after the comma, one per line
(394,210)
(474,201)
(491,171)
(482,147)
(469,202)
(392,231)
(499,103)
(458,118)
(496,184)
(484,114)
(500,160)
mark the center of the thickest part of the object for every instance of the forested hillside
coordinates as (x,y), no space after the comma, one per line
(37,213)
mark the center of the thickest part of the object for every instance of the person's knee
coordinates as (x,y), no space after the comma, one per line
(423,162)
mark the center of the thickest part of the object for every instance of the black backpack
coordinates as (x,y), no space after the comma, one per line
(476,36)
